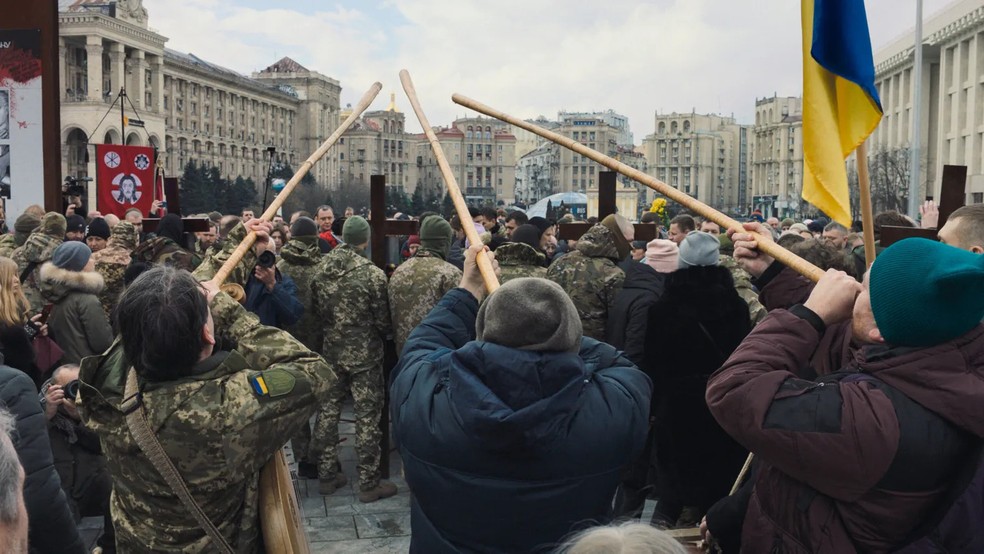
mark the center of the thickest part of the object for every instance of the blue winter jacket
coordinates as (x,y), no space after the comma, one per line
(507,450)
(275,308)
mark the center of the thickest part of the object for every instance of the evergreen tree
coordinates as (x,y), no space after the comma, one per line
(447,206)
(417,204)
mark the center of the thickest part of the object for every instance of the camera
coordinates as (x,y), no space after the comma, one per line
(74,186)
(72,390)
(266,260)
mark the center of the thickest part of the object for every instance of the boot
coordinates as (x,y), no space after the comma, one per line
(329,486)
(307,470)
(384,489)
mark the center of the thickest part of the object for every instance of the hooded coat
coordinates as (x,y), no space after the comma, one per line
(415,288)
(629,317)
(111,262)
(299,260)
(163,250)
(509,450)
(36,251)
(52,528)
(77,322)
(591,278)
(517,259)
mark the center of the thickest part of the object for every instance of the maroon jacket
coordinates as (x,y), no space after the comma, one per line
(847,464)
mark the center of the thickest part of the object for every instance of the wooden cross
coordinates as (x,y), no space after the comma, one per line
(952,197)
(606,207)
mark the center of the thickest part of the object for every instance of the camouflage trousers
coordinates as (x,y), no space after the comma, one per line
(368,394)
(301,444)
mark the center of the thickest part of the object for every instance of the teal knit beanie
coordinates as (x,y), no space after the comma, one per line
(355,231)
(925,293)
(436,236)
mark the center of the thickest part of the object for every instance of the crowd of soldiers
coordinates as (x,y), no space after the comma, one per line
(601,374)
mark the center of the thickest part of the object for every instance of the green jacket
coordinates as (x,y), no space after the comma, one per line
(591,278)
(517,259)
(214,425)
(299,260)
(37,250)
(415,288)
(77,322)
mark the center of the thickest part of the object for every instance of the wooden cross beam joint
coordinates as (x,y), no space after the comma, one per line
(606,207)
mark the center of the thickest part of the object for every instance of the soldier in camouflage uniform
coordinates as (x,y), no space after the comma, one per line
(299,260)
(164,249)
(112,261)
(220,416)
(349,298)
(23,227)
(521,257)
(591,278)
(743,281)
(420,282)
(37,250)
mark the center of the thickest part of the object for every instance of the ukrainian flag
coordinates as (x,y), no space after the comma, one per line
(840,103)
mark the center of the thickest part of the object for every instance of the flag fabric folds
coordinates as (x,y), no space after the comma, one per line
(124,178)
(840,103)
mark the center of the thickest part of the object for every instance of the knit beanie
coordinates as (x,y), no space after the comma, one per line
(925,293)
(662,255)
(25,224)
(53,224)
(97,228)
(798,228)
(172,227)
(125,235)
(71,255)
(527,234)
(540,223)
(621,243)
(74,223)
(788,222)
(436,236)
(215,217)
(304,227)
(530,314)
(699,249)
(356,230)
(413,239)
(727,245)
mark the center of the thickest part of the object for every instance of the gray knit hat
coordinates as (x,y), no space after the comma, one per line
(699,249)
(530,313)
(304,227)
(71,255)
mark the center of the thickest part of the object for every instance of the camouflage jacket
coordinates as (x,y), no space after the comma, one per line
(162,250)
(219,254)
(519,260)
(218,426)
(8,243)
(37,250)
(415,288)
(743,284)
(299,260)
(348,296)
(591,278)
(112,261)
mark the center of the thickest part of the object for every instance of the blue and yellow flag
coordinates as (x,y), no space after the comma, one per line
(840,103)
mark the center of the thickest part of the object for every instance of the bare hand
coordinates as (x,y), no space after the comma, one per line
(471,279)
(53,398)
(747,252)
(70,210)
(930,215)
(41,327)
(833,297)
(155,207)
(707,540)
(267,276)
(262,228)
(209,289)
(94,214)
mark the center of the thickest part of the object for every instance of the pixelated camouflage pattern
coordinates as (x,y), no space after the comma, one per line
(299,260)
(415,288)
(591,278)
(112,261)
(216,429)
(517,259)
(743,284)
(349,297)
(8,243)
(164,251)
(38,248)
(219,254)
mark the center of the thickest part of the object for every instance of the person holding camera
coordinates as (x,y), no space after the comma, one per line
(271,295)
(77,452)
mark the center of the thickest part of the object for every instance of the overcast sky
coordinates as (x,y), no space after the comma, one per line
(525,57)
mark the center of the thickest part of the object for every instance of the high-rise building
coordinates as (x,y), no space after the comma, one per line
(579,173)
(617,121)
(376,144)
(776,157)
(700,155)
(538,173)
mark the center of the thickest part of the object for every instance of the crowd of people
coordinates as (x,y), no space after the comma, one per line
(602,373)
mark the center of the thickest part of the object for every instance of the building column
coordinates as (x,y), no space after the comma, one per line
(93,68)
(157,83)
(117,66)
(138,81)
(62,73)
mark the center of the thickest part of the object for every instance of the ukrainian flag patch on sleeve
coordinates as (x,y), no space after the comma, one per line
(272,383)
(259,385)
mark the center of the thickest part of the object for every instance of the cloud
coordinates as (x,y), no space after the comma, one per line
(525,57)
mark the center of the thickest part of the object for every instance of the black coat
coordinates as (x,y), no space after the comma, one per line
(628,318)
(52,528)
(18,351)
(693,328)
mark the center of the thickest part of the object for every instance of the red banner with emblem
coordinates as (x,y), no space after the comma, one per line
(124,178)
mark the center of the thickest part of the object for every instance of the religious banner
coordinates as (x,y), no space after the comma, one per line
(124,178)
(21,140)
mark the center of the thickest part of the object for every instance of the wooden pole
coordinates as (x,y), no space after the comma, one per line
(484,264)
(769,247)
(223,273)
(867,218)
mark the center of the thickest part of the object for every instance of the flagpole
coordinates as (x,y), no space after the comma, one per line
(867,217)
(914,151)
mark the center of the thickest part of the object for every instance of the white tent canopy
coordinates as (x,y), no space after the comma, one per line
(569,199)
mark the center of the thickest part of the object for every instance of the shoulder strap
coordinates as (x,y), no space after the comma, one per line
(136,421)
(27,271)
